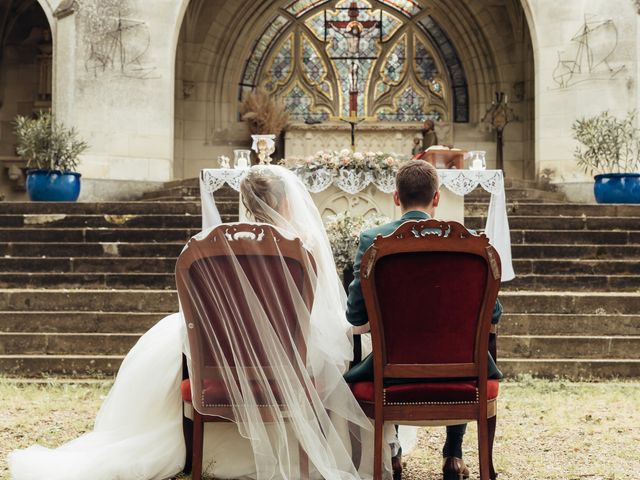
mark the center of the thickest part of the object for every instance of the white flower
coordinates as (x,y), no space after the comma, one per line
(345,152)
(358,156)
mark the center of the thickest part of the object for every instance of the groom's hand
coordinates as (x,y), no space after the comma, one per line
(361,329)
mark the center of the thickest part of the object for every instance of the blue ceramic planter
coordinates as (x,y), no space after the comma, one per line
(50,186)
(617,188)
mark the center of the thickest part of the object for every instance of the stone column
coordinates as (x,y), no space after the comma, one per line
(560,100)
(115,84)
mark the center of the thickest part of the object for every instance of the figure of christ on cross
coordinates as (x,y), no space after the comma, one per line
(353,30)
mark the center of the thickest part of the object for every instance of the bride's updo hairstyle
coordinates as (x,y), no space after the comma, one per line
(263,193)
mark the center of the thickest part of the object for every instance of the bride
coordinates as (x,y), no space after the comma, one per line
(138,430)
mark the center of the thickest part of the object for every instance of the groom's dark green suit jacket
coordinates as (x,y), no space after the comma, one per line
(357,312)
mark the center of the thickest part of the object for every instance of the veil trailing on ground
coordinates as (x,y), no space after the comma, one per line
(288,356)
(269,341)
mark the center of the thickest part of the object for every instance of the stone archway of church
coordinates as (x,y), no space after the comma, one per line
(26,79)
(493,40)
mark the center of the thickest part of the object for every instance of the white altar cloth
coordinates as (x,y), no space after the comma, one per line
(460,182)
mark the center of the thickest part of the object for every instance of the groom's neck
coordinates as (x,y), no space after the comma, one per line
(428,209)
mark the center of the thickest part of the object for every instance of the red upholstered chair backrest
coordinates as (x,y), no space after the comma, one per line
(223,279)
(430,288)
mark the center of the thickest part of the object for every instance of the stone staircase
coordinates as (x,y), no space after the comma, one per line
(80,282)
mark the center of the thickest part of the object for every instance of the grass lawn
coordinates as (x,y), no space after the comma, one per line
(546,429)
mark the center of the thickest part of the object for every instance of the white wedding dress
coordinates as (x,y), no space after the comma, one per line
(138,430)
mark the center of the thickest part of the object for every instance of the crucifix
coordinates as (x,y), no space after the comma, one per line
(353,121)
(354,30)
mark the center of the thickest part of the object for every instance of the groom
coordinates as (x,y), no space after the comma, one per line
(417,196)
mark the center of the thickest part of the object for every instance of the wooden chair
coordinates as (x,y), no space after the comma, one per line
(207,272)
(429,289)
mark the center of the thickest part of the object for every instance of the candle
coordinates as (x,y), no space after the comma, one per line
(242,163)
(477,164)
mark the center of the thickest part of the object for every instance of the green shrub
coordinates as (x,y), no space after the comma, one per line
(608,145)
(46,144)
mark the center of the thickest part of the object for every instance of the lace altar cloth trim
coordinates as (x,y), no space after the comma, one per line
(460,182)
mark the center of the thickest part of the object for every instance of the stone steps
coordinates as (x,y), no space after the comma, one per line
(155,300)
(106,208)
(148,264)
(80,282)
(70,366)
(158,280)
(593,324)
(556,346)
(35,321)
(64,321)
(172,249)
(111,250)
(578,252)
(571,368)
(574,335)
(562,223)
(105,300)
(557,210)
(61,343)
(126,234)
(576,237)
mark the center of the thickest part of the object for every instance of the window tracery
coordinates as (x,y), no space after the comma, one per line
(382,59)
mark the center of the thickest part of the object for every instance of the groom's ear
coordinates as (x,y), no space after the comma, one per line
(396,198)
(436,199)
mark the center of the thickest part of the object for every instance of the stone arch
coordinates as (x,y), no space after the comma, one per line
(26,78)
(226,35)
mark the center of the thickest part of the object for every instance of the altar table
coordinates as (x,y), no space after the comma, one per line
(364,193)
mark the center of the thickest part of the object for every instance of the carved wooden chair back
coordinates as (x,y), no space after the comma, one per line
(430,288)
(211,277)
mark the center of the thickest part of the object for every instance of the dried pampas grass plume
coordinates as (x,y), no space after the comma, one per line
(263,113)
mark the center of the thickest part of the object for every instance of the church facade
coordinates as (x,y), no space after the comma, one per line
(155,87)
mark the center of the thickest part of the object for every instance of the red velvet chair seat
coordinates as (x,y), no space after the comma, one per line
(427,393)
(215,393)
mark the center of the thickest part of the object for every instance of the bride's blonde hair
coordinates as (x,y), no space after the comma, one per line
(262,193)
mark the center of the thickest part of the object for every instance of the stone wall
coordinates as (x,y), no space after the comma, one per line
(160,118)
(587,93)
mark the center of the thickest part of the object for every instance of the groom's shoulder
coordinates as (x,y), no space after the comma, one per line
(369,235)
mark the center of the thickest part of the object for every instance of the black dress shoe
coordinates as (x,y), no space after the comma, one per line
(396,465)
(454,468)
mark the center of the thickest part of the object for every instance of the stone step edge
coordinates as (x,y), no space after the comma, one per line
(501,359)
(500,336)
(519,293)
(154,258)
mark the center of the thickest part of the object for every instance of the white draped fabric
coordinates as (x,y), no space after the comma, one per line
(460,182)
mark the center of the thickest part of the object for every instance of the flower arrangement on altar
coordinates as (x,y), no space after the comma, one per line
(347,160)
(344,230)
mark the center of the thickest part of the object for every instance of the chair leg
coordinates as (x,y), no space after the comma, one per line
(492,434)
(377,449)
(303,460)
(187,431)
(198,444)
(483,448)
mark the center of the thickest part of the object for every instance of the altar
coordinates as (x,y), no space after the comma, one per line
(367,193)
(303,140)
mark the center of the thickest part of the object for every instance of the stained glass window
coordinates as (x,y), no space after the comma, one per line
(299,105)
(359,57)
(407,7)
(425,64)
(300,7)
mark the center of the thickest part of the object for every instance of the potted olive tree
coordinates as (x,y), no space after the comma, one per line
(610,148)
(52,153)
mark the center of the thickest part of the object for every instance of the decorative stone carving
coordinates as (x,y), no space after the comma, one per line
(15,168)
